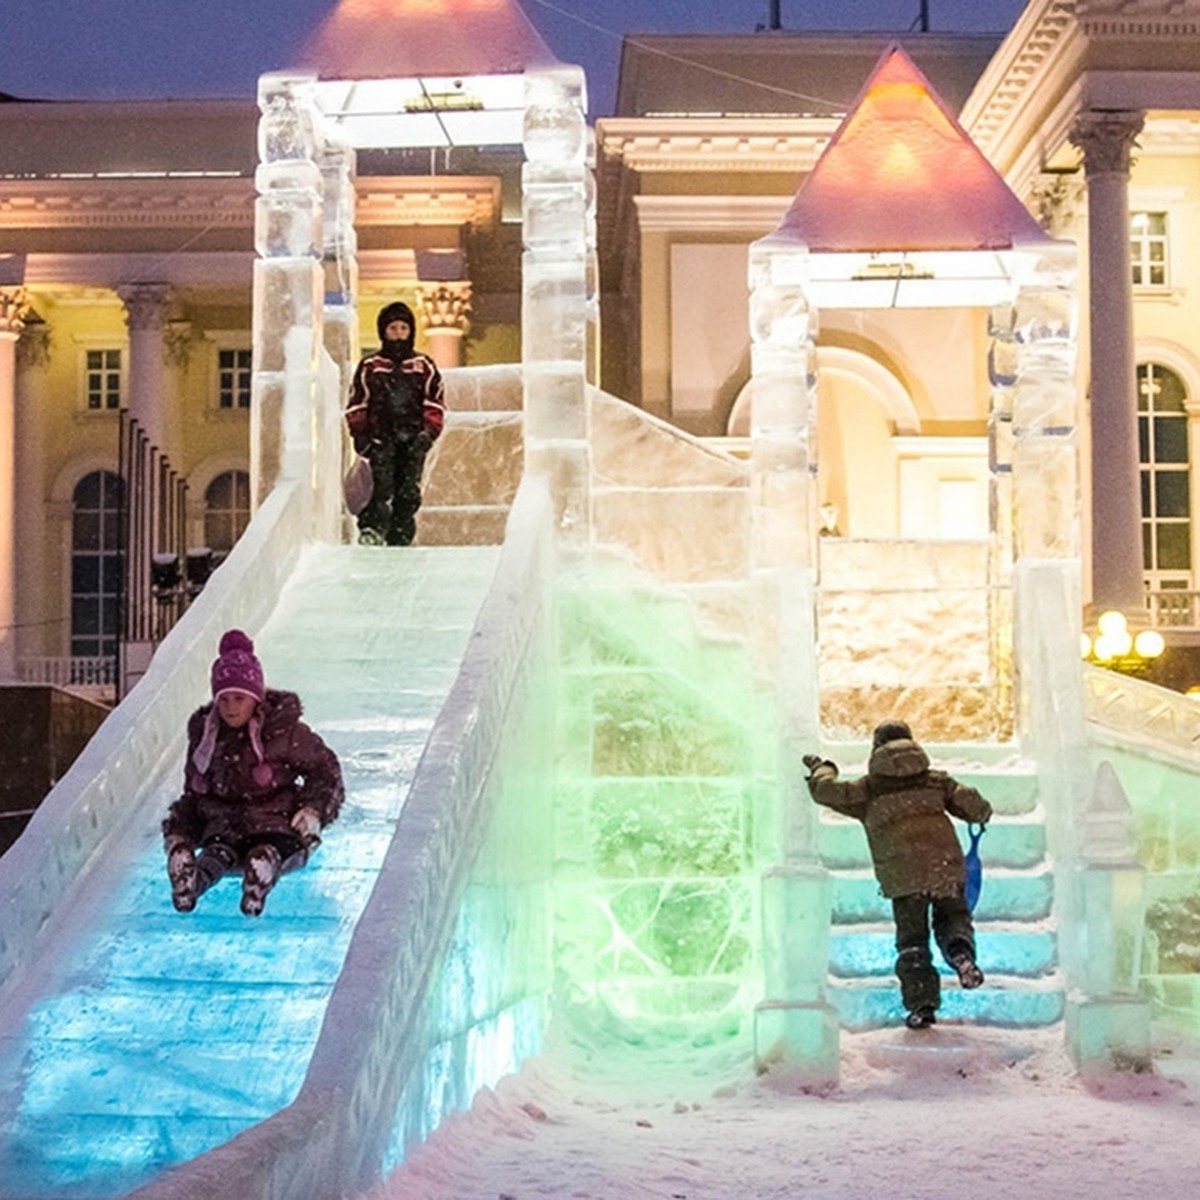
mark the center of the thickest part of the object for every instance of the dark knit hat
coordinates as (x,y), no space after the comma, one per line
(396,311)
(890,731)
(236,669)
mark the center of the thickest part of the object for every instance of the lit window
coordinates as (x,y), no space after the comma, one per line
(102,380)
(233,378)
(96,564)
(226,510)
(1165,476)
(1148,249)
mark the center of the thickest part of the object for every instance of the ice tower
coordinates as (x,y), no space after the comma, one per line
(903,211)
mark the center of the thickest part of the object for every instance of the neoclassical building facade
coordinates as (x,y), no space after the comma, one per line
(127,245)
(1090,110)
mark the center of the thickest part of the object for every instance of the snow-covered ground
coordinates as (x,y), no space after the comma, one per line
(952,1113)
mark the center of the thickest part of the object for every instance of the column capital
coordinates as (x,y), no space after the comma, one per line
(33,346)
(14,307)
(146,304)
(445,307)
(1107,139)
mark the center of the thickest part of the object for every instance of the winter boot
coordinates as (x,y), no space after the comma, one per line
(181,870)
(969,975)
(920,1018)
(260,873)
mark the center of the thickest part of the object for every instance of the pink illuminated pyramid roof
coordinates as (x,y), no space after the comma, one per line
(395,39)
(900,173)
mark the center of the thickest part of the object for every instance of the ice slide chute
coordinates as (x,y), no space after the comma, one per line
(133,1039)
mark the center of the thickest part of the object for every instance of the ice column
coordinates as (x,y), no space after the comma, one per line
(340,332)
(288,283)
(558,212)
(795,1028)
(1002,378)
(1107,1020)
(1045,491)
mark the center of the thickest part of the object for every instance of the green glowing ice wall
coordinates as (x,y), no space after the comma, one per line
(660,812)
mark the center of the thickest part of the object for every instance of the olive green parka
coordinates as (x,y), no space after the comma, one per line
(904,804)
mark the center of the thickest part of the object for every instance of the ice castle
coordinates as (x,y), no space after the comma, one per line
(573,758)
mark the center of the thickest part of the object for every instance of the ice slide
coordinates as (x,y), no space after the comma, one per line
(133,1038)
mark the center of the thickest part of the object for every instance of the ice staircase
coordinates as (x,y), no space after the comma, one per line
(146,1037)
(1017,941)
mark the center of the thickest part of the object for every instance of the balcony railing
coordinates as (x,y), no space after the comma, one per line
(1174,608)
(93,676)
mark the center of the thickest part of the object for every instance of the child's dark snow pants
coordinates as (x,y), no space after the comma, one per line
(952,930)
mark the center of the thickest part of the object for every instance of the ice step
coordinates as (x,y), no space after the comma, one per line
(1026,953)
(869,1004)
(1006,896)
(843,843)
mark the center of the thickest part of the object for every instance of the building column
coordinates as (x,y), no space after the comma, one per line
(444,311)
(13,309)
(31,550)
(1107,140)
(146,306)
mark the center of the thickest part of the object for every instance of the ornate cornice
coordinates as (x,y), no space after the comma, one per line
(427,200)
(1036,38)
(89,203)
(688,144)
(202,203)
(1132,18)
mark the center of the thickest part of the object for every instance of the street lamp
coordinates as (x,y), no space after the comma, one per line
(1114,646)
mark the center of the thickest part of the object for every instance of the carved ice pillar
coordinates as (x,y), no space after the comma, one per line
(288,284)
(795,1027)
(1107,1018)
(146,308)
(13,310)
(340,329)
(1107,139)
(554,302)
(444,312)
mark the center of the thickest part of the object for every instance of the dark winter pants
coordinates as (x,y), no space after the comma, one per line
(952,930)
(390,515)
(220,858)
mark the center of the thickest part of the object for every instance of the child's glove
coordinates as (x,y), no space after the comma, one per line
(812,761)
(356,420)
(307,823)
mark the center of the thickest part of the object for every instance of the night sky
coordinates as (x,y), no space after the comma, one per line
(140,49)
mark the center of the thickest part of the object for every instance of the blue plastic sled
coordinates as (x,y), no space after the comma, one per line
(974,866)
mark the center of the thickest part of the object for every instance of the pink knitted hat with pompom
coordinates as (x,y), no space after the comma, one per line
(236,669)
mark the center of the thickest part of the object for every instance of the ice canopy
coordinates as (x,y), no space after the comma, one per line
(898,190)
(425,72)
(900,173)
(381,39)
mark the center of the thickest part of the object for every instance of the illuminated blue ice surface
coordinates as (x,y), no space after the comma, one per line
(148,1036)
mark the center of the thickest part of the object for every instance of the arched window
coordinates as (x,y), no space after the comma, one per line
(1165,477)
(96,564)
(226,510)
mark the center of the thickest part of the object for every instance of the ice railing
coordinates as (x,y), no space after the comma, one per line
(1142,711)
(91,807)
(387,1066)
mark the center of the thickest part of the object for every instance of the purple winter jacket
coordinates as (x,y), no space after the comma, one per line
(239,794)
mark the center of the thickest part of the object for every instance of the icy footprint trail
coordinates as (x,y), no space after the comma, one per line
(147,1036)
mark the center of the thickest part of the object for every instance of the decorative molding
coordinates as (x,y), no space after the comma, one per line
(686,145)
(733,215)
(1107,140)
(1138,18)
(146,305)
(178,339)
(110,203)
(1057,200)
(427,200)
(445,307)
(14,308)
(33,346)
